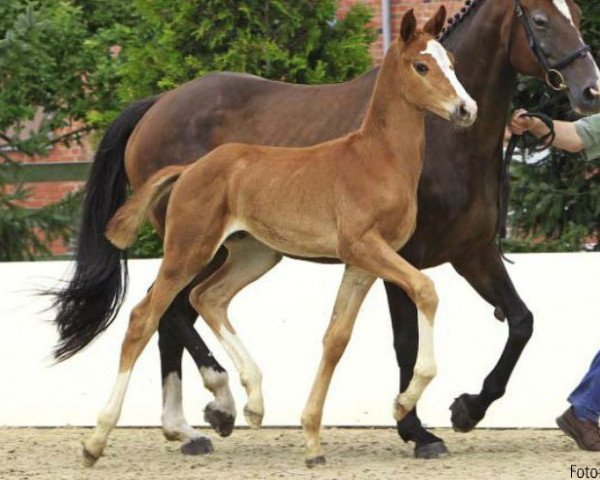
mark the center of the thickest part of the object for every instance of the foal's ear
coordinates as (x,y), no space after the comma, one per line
(408,26)
(436,23)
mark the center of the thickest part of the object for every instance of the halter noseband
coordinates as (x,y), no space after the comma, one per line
(554,77)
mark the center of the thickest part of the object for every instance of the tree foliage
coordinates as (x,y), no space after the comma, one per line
(58,57)
(555,204)
(297,41)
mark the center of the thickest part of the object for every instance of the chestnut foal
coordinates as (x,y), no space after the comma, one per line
(352,199)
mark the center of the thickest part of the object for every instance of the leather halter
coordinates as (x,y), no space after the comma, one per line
(554,76)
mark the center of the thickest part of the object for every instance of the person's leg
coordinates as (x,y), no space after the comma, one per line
(580,421)
(585,399)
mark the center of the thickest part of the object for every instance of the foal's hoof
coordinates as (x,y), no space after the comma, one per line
(312,462)
(221,422)
(253,418)
(88,458)
(464,413)
(197,446)
(431,450)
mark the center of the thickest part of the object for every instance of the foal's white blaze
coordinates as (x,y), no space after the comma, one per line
(440,55)
(563,8)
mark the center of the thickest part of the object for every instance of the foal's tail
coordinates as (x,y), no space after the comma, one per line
(123,227)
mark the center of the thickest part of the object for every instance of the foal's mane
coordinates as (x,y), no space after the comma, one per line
(459,18)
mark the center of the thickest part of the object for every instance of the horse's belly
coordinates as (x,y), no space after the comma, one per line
(295,240)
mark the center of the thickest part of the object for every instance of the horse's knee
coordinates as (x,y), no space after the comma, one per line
(521,329)
(426,297)
(211,307)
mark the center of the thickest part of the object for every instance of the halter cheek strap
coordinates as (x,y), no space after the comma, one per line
(554,77)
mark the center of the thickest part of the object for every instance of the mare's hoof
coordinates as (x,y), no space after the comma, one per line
(254,419)
(221,422)
(464,419)
(431,450)
(314,461)
(197,446)
(88,458)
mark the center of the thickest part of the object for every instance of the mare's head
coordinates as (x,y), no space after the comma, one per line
(427,72)
(559,55)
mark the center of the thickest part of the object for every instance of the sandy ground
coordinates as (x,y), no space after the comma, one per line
(54,454)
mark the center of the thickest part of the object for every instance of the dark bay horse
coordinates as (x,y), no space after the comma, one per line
(352,199)
(458,217)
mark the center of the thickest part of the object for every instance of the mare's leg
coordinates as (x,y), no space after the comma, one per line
(176,326)
(176,331)
(353,289)
(248,260)
(406,336)
(485,271)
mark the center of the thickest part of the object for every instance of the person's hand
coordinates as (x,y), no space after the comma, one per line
(519,125)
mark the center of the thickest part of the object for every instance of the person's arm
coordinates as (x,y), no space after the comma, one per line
(567,137)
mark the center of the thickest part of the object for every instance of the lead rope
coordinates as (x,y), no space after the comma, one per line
(533,145)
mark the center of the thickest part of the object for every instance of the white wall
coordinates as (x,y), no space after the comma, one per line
(283,328)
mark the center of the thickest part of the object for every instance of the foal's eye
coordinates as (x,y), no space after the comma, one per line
(421,68)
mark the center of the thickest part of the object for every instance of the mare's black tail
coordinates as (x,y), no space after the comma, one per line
(89,302)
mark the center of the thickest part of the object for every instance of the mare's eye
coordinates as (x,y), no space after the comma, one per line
(421,68)
(540,21)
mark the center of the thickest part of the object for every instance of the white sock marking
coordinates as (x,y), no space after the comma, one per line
(173,418)
(218,383)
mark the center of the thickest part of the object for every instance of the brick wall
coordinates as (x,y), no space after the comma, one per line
(424,9)
(50,192)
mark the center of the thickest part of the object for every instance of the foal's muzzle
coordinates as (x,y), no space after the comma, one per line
(464,114)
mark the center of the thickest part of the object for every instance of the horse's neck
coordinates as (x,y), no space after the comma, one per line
(482,47)
(392,123)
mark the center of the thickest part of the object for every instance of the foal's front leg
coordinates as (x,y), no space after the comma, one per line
(406,337)
(373,254)
(353,289)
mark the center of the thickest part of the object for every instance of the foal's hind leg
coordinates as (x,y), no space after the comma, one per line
(142,324)
(248,260)
(183,259)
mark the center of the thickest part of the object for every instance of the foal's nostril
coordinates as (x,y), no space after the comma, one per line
(462,112)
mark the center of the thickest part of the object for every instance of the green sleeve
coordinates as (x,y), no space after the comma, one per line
(588,129)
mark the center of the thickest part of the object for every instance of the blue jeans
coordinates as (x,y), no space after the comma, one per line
(586,397)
